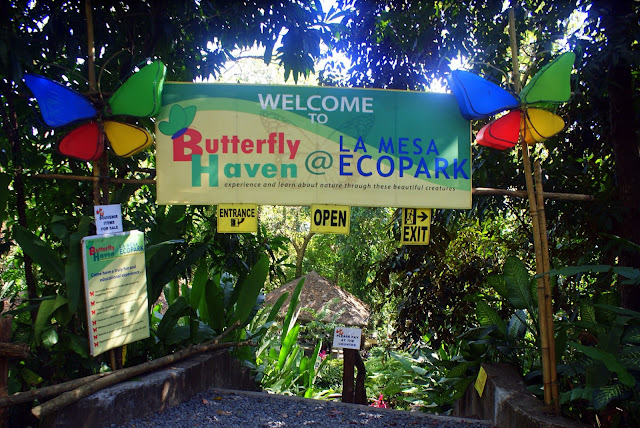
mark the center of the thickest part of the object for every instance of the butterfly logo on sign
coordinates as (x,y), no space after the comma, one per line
(528,117)
(138,97)
(179,120)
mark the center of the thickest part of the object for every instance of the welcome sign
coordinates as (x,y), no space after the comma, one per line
(284,145)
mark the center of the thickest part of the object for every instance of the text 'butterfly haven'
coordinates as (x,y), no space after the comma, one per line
(529,117)
(139,96)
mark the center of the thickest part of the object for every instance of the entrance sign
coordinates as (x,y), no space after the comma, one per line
(301,145)
(108,218)
(346,337)
(330,219)
(416,223)
(237,218)
(115,290)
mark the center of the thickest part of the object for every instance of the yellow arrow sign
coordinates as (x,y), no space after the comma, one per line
(334,219)
(237,218)
(416,224)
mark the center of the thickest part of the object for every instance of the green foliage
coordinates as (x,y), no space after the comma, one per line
(281,364)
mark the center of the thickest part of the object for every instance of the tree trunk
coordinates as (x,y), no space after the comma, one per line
(300,249)
(626,148)
(10,124)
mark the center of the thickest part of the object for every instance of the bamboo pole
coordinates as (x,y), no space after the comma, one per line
(48,391)
(543,317)
(121,375)
(555,396)
(478,191)
(487,191)
(91,67)
(139,181)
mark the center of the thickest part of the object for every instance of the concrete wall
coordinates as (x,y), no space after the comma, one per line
(506,402)
(155,391)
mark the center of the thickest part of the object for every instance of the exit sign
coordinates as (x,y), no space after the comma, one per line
(416,224)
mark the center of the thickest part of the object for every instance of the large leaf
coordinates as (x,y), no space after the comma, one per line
(630,357)
(460,370)
(273,313)
(153,249)
(287,345)
(517,282)
(632,335)
(171,291)
(497,282)
(487,316)
(604,395)
(609,360)
(178,309)
(73,265)
(250,289)
(59,228)
(5,180)
(165,266)
(292,311)
(632,275)
(47,308)
(517,326)
(215,304)
(587,312)
(199,283)
(40,252)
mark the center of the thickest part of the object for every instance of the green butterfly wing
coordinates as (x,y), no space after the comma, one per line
(140,95)
(552,83)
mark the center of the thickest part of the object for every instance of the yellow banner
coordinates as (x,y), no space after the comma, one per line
(330,219)
(115,290)
(284,145)
(416,225)
(237,218)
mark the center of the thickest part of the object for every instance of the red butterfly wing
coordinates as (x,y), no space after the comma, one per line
(85,143)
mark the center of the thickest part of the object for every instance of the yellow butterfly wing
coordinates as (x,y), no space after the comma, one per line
(537,125)
(125,139)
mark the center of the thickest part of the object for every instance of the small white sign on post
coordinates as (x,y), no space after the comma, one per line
(108,219)
(346,337)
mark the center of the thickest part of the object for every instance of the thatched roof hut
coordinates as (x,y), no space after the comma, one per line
(318,292)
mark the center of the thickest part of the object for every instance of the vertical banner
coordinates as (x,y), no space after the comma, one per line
(115,290)
(303,145)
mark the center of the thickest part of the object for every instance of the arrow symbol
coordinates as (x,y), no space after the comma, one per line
(424,216)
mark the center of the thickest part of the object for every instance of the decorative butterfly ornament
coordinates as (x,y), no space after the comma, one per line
(478,98)
(139,96)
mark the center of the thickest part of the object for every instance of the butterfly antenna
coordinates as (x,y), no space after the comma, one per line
(68,71)
(501,72)
(104,67)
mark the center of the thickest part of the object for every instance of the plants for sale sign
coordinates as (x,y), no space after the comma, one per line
(115,290)
(302,145)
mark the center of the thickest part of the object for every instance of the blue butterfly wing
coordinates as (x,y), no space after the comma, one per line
(59,105)
(478,98)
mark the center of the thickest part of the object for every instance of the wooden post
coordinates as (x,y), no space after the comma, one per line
(7,350)
(348,365)
(555,396)
(5,336)
(544,317)
(360,393)
(100,166)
